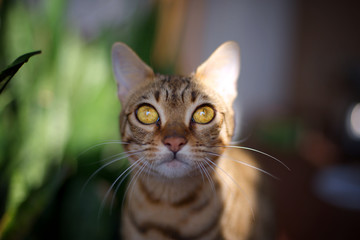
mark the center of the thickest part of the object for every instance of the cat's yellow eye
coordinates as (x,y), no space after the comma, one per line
(147,114)
(203,114)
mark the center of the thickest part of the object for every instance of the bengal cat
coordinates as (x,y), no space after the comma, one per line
(186,181)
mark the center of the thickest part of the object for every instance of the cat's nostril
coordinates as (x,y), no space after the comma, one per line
(174,144)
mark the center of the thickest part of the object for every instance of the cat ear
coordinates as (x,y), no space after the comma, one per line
(130,71)
(221,70)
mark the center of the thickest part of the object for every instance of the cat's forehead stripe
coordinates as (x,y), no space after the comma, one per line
(157,96)
(183,91)
(194,95)
(172,88)
(167,95)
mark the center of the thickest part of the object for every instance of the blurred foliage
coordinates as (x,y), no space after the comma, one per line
(8,73)
(62,102)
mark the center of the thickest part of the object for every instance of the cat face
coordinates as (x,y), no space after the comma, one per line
(172,123)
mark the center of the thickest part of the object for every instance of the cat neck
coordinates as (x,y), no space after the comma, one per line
(177,189)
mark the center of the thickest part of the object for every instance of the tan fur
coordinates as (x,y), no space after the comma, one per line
(200,195)
(249,207)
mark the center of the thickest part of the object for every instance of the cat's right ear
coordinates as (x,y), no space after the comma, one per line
(130,71)
(221,70)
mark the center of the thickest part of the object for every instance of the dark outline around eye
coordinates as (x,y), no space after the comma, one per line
(149,105)
(203,105)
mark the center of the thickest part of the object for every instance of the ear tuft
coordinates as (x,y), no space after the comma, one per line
(221,70)
(129,70)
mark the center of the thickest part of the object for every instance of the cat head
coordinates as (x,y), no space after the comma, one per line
(175,125)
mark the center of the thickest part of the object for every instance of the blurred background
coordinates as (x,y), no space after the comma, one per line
(299,100)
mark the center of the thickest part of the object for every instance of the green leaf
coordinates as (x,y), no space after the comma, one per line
(7,74)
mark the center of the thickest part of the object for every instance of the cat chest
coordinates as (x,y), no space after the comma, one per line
(194,217)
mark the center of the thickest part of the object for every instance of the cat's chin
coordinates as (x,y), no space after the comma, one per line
(175,163)
(173,168)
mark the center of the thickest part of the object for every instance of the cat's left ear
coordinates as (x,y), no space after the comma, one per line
(130,71)
(221,70)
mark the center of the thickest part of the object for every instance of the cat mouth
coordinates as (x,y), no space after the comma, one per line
(174,166)
(173,163)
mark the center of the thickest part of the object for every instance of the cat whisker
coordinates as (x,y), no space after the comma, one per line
(113,184)
(129,185)
(238,186)
(216,172)
(222,178)
(200,170)
(203,171)
(137,175)
(114,156)
(207,175)
(147,173)
(127,153)
(244,163)
(101,144)
(117,188)
(257,151)
(239,141)
(105,165)
(149,169)
(251,166)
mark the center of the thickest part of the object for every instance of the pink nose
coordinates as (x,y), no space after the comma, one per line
(174,144)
